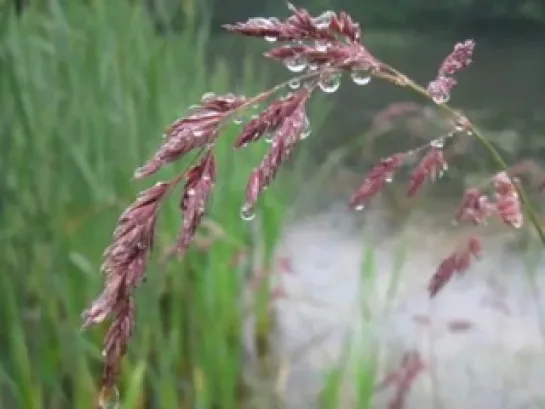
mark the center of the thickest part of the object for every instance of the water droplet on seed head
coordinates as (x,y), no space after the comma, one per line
(321,45)
(247,212)
(440,98)
(207,96)
(324,20)
(330,83)
(296,64)
(294,83)
(109,398)
(361,76)
(313,66)
(305,134)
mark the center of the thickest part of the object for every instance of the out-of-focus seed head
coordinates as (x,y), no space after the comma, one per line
(508,203)
(432,165)
(376,179)
(402,379)
(456,263)
(475,207)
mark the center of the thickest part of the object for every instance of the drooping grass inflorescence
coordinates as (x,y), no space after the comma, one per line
(318,50)
(401,380)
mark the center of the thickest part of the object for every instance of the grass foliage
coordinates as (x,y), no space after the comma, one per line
(85,91)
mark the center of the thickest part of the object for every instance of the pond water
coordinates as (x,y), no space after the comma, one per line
(358,298)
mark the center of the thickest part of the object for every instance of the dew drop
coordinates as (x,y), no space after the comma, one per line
(440,98)
(305,134)
(359,207)
(321,46)
(198,133)
(237,120)
(191,192)
(269,137)
(389,178)
(313,66)
(330,83)
(361,76)
(294,83)
(207,96)
(139,171)
(323,21)
(270,39)
(287,96)
(261,22)
(247,212)
(438,143)
(109,399)
(254,117)
(296,64)
(305,128)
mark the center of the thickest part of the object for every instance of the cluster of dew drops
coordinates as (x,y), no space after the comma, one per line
(328,82)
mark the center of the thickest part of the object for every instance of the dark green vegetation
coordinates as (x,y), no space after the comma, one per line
(497,17)
(85,93)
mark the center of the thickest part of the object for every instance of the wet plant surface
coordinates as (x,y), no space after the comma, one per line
(389,312)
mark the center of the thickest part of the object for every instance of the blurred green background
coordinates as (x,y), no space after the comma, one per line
(86,89)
